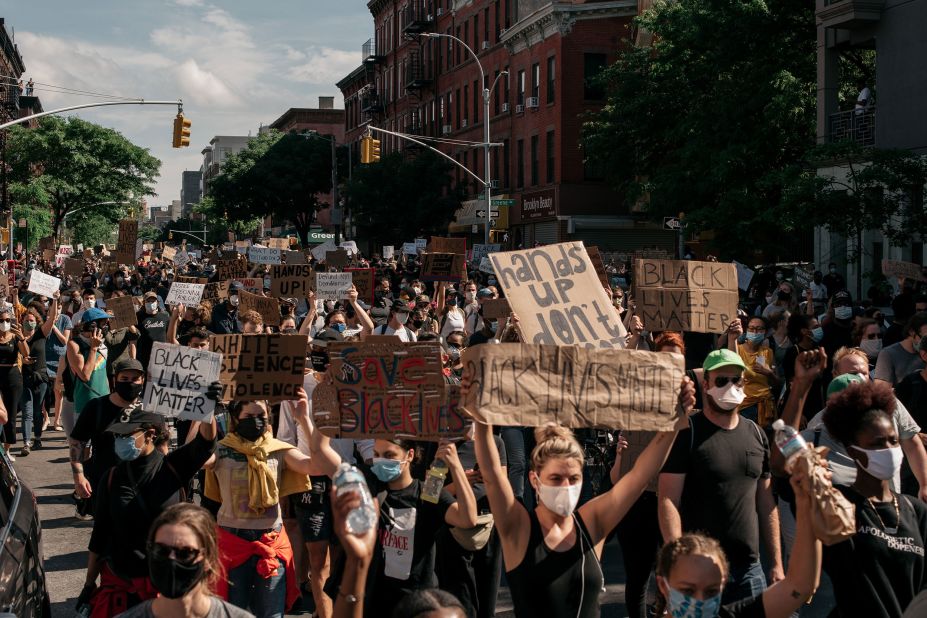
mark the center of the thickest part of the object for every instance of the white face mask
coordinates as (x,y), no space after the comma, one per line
(151,307)
(470,296)
(843,313)
(561,499)
(883,463)
(89,302)
(233,300)
(728,396)
(4,327)
(402,318)
(417,290)
(871,347)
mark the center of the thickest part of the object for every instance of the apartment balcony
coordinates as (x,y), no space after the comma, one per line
(9,97)
(849,14)
(371,102)
(418,75)
(416,17)
(370,54)
(853,125)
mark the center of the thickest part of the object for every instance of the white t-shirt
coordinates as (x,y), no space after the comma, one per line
(403,333)
(452,321)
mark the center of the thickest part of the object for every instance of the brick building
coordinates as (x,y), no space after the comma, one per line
(425,86)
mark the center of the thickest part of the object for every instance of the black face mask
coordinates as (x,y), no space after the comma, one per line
(173,579)
(417,323)
(129,390)
(251,427)
(319,360)
(187,324)
(783,295)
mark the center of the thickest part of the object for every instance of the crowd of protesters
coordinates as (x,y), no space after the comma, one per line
(238,516)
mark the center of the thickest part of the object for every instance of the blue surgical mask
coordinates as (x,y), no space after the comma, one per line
(843,312)
(817,334)
(126,449)
(339,326)
(756,338)
(683,606)
(386,469)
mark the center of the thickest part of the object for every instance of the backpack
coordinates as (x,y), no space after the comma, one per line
(409,333)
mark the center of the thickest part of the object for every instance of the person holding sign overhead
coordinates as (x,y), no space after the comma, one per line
(552,553)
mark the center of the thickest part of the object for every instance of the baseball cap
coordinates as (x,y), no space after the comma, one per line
(484,293)
(150,294)
(423,299)
(127,364)
(842,298)
(132,422)
(325,336)
(722,358)
(400,305)
(93,314)
(842,381)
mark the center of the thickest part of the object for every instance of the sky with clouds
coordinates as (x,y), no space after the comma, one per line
(236,64)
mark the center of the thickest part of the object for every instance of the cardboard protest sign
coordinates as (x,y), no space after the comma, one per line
(495,309)
(74,266)
(189,294)
(231,269)
(263,255)
(182,279)
(241,246)
(48,255)
(181,259)
(448,245)
(421,244)
(42,284)
(88,254)
(481,251)
(278,243)
(48,242)
(252,284)
(268,307)
(364,280)
(802,277)
(529,385)
(903,270)
(409,248)
(260,366)
(685,295)
(124,312)
(178,378)
(558,297)
(319,251)
(387,389)
(333,286)
(441,266)
(388,252)
(350,246)
(596,258)
(744,275)
(168,253)
(127,244)
(486,266)
(291,280)
(295,257)
(337,258)
(216,292)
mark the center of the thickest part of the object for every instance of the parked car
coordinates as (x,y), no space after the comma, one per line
(22,572)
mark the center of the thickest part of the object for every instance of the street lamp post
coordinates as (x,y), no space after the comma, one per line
(487,94)
(336,207)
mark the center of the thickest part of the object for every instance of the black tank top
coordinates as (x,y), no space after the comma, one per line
(552,583)
(9,352)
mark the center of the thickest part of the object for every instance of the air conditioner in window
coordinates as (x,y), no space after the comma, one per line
(505,108)
(440,12)
(485,44)
(531,102)
(493,184)
(430,18)
(446,129)
(519,109)
(463,123)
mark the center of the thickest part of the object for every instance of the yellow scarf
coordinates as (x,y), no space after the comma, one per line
(263,491)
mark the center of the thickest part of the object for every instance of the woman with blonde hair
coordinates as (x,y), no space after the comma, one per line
(551,554)
(184,566)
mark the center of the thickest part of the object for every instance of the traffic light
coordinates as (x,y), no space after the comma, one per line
(374,150)
(370,150)
(181,131)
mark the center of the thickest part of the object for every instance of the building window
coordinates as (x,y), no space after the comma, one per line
(450,49)
(498,23)
(495,164)
(476,33)
(536,80)
(592,67)
(477,95)
(457,108)
(457,49)
(520,172)
(506,164)
(495,109)
(551,68)
(466,36)
(917,253)
(505,86)
(466,95)
(521,87)
(534,160)
(486,23)
(593,169)
(551,152)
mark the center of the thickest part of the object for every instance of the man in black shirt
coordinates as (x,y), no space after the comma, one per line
(152,327)
(716,480)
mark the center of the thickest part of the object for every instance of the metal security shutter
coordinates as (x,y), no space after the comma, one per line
(546,232)
(627,239)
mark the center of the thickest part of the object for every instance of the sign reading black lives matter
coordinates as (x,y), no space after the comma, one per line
(685,295)
(178,378)
(557,296)
(258,367)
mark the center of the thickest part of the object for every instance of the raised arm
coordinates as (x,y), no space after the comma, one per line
(462,513)
(296,459)
(306,327)
(366,323)
(809,365)
(52,315)
(172,325)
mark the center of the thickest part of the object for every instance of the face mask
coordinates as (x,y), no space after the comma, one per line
(493,326)
(4,327)
(417,290)
(319,360)
(833,271)
(843,313)
(417,323)
(470,296)
(251,427)
(683,606)
(119,279)
(561,499)
(728,396)
(29,325)
(339,326)
(126,449)
(129,390)
(454,353)
(779,277)
(784,296)
(65,299)
(769,299)
(452,302)
(817,334)
(233,300)
(756,338)
(402,318)
(89,302)
(883,463)
(871,347)
(386,469)
(151,307)
(173,579)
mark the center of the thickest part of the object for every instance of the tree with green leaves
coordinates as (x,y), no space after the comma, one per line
(403,197)
(38,224)
(278,174)
(218,222)
(712,117)
(77,169)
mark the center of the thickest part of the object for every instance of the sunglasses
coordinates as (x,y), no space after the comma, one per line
(874,336)
(183,555)
(5,321)
(721,381)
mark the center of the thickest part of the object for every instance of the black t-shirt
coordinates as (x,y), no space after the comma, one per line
(91,426)
(912,392)
(404,559)
(747,608)
(877,574)
(37,351)
(151,328)
(723,468)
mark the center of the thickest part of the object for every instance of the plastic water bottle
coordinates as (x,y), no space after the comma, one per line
(434,481)
(789,441)
(364,517)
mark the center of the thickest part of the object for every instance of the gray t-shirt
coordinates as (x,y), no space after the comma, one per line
(219,609)
(841,465)
(895,363)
